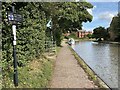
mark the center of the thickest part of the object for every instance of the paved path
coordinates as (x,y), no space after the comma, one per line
(67,73)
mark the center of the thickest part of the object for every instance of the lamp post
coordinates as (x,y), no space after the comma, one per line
(14,19)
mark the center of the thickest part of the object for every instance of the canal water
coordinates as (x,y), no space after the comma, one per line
(102,58)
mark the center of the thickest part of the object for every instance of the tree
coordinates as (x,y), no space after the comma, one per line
(67,15)
(118,20)
(100,32)
(73,14)
(89,36)
(114,28)
(118,27)
(31,33)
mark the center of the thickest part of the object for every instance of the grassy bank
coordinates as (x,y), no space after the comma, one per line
(36,74)
(91,75)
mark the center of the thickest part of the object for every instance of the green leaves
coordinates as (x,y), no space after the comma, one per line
(67,16)
(30,34)
(115,28)
(100,32)
(75,14)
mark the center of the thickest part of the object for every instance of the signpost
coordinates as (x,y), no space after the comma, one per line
(14,19)
(49,24)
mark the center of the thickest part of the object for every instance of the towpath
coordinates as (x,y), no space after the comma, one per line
(67,73)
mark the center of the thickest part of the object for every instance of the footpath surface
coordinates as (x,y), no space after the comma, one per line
(67,73)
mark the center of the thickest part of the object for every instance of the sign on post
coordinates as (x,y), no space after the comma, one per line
(14,18)
(49,24)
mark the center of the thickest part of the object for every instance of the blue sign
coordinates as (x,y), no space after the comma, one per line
(11,17)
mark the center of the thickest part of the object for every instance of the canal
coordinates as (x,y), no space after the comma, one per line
(102,58)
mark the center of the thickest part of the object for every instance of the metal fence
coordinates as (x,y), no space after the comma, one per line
(50,47)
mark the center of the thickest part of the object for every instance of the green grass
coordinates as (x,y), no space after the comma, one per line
(35,74)
(91,75)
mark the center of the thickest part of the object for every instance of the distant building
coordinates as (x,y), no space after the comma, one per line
(83,33)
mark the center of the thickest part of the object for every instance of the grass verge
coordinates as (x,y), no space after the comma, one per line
(91,75)
(36,74)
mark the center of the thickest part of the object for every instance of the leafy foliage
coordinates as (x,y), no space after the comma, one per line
(100,32)
(115,28)
(67,16)
(89,36)
(31,33)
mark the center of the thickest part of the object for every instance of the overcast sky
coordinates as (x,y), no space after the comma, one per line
(103,12)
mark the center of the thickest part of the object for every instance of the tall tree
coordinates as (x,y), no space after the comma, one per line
(100,32)
(67,15)
(114,28)
(31,33)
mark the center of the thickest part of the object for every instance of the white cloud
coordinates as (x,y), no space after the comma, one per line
(106,16)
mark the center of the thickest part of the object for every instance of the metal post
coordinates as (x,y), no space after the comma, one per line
(15,77)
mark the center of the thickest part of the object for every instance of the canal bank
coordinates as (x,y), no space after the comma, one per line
(91,74)
(108,42)
(101,58)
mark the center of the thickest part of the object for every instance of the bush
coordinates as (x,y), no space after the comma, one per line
(73,35)
(58,36)
(30,36)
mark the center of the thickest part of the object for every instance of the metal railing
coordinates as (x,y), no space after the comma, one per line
(50,47)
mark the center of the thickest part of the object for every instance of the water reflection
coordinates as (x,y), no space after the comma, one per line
(102,58)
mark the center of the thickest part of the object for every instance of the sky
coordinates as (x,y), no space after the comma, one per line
(102,13)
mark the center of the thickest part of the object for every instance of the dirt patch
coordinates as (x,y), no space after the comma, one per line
(35,66)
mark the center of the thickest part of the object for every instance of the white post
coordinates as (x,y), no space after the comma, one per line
(14,34)
(14,56)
